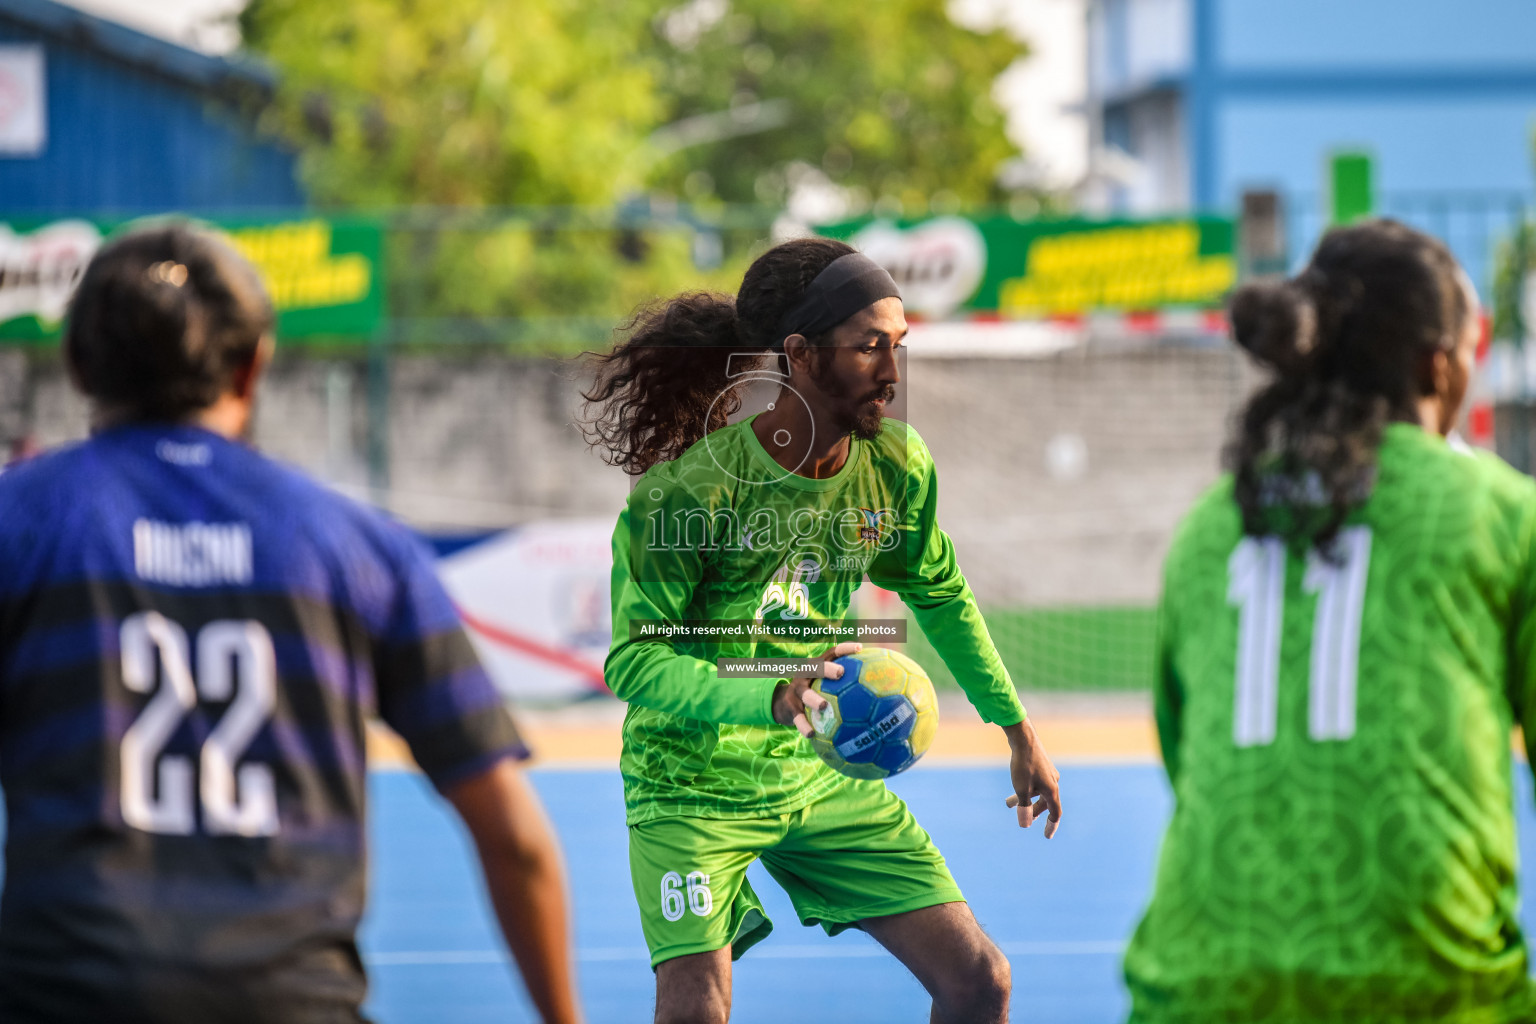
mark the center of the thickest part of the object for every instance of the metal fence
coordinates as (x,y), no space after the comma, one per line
(1472,223)
(552,282)
(1064,473)
(552,279)
(555,280)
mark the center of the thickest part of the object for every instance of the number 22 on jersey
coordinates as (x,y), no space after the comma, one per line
(1256,585)
(236,663)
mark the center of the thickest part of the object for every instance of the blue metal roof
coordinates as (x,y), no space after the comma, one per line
(137,124)
(145,52)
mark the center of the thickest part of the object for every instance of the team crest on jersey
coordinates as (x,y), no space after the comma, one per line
(870,531)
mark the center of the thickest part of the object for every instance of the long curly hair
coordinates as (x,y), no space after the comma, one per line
(671,378)
(1346,339)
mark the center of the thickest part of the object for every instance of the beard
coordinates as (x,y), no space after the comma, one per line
(858,417)
(866,419)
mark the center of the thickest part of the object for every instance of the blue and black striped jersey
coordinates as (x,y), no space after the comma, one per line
(192,638)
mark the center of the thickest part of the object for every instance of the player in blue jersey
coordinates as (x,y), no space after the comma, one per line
(192,639)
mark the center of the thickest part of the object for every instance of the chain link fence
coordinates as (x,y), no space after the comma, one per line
(1062,474)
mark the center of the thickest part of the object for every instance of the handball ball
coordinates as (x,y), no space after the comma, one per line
(880,716)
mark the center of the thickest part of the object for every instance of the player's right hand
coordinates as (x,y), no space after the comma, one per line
(1036,782)
(791,699)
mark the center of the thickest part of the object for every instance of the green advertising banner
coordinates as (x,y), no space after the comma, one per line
(324,274)
(1056,268)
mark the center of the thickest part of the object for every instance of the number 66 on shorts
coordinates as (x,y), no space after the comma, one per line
(700,900)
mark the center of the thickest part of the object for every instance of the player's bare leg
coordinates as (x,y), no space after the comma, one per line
(943,946)
(694,989)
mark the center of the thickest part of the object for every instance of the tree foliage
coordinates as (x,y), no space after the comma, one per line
(890,100)
(1512,268)
(591,103)
(459,102)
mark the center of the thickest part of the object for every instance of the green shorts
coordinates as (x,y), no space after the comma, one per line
(853,854)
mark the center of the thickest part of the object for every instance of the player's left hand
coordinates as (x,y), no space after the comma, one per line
(791,701)
(1036,782)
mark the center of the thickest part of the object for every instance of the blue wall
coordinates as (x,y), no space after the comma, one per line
(1369,34)
(1443,94)
(124,138)
(1455,168)
(1419,145)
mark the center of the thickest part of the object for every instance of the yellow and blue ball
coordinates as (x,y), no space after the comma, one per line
(880,717)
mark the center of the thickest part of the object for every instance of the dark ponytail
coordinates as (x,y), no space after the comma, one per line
(162,319)
(672,379)
(1346,340)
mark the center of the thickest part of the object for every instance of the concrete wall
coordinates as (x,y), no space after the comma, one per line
(1060,479)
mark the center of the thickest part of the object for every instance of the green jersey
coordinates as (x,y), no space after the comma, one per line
(724,534)
(1337,731)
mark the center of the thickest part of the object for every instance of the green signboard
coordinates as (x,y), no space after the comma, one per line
(324,274)
(1351,186)
(1051,268)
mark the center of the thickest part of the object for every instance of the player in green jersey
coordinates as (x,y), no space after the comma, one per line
(1348,634)
(777,518)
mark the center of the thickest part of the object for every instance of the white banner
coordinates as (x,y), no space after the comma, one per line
(39,269)
(535,600)
(23,101)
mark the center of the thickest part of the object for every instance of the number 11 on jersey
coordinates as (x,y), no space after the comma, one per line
(1256,585)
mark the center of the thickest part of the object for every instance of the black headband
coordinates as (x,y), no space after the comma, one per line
(847,285)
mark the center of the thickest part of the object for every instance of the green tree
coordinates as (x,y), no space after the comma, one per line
(459,102)
(890,100)
(590,103)
(1512,266)
(469,104)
